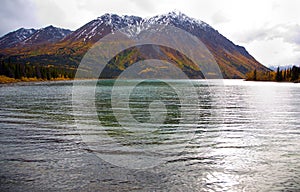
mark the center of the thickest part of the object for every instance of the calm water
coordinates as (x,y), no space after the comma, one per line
(245,138)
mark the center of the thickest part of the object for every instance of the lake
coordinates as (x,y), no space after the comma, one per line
(233,136)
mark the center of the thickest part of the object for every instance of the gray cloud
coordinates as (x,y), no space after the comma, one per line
(219,17)
(277,44)
(290,33)
(17,13)
(49,13)
(254,35)
(145,5)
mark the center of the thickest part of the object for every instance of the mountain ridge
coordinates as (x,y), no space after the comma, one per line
(22,36)
(234,60)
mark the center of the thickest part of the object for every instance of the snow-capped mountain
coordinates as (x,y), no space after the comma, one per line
(48,34)
(13,38)
(177,19)
(108,23)
(30,37)
(98,28)
(233,59)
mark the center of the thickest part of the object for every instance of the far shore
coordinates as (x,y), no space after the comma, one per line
(8,80)
(297,81)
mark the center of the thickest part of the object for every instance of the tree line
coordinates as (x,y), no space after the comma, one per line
(285,75)
(21,70)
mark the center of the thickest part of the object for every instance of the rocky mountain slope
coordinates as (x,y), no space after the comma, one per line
(60,47)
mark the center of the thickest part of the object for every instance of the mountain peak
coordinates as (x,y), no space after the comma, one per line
(103,25)
(118,22)
(13,38)
(176,13)
(47,34)
(50,27)
(178,19)
(107,16)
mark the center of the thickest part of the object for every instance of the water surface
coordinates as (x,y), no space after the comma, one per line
(246,138)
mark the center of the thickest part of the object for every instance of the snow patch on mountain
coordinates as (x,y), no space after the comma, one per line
(47,34)
(13,38)
(177,18)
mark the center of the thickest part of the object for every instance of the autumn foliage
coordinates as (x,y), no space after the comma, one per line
(285,75)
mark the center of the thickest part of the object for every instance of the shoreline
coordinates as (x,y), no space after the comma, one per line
(297,81)
(7,80)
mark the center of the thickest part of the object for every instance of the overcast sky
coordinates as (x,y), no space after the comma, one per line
(269,29)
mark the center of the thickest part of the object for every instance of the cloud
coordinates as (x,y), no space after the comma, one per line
(49,12)
(292,34)
(272,43)
(274,52)
(145,5)
(289,33)
(253,35)
(16,14)
(219,17)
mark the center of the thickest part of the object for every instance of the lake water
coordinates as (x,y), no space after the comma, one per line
(240,136)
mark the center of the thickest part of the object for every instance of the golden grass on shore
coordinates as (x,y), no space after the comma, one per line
(5,79)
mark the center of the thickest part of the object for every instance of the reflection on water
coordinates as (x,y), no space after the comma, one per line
(246,138)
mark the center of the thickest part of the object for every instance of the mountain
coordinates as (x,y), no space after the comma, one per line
(234,60)
(13,38)
(32,37)
(98,28)
(53,46)
(48,34)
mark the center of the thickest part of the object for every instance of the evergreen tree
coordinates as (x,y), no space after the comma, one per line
(43,73)
(295,73)
(38,72)
(17,71)
(48,73)
(278,75)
